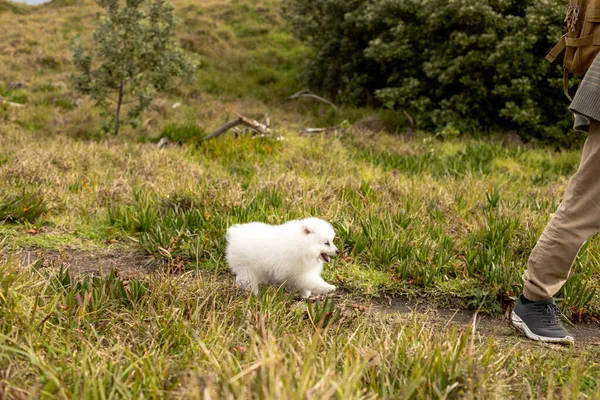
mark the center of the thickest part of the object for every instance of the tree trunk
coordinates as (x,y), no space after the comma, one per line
(119,103)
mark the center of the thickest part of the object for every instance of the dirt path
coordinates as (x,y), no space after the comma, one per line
(586,334)
(131,263)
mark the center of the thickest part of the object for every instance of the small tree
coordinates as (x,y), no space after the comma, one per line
(133,59)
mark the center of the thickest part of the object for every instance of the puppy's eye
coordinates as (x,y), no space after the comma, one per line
(327,243)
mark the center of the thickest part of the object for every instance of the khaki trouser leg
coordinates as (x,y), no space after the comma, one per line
(576,220)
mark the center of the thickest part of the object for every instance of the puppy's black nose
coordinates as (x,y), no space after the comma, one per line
(336,252)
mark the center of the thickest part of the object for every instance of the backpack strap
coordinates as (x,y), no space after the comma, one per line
(593,40)
(566,83)
(555,52)
(564,42)
(557,49)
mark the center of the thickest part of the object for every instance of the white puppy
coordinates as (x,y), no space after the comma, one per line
(291,254)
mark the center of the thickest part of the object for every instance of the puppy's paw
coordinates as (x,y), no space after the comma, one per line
(243,284)
(325,288)
(330,288)
(247,285)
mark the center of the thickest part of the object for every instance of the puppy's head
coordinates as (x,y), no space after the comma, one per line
(319,235)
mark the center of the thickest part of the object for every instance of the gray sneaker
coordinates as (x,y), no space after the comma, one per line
(539,321)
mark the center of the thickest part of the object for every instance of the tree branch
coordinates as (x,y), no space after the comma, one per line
(310,95)
(411,121)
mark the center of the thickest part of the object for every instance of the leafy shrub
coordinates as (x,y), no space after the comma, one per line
(465,65)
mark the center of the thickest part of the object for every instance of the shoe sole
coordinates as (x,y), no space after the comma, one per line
(518,323)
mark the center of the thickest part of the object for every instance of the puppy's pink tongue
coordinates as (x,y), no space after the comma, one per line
(325,257)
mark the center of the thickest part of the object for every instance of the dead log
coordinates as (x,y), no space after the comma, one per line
(261,129)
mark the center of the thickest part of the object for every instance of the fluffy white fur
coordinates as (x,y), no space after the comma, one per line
(291,255)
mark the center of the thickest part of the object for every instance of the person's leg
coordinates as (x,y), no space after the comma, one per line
(576,220)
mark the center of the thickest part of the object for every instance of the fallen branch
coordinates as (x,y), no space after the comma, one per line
(10,103)
(318,130)
(262,129)
(323,130)
(310,95)
(411,121)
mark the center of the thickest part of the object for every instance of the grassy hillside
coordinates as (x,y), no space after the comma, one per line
(419,216)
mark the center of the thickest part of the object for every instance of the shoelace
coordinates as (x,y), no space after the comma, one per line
(549,313)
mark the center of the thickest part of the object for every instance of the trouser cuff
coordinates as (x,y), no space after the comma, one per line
(531,295)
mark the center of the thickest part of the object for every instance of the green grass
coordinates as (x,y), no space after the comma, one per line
(191,336)
(443,222)
(243,55)
(26,206)
(459,229)
(449,221)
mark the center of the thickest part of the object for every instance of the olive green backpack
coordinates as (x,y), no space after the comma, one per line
(582,40)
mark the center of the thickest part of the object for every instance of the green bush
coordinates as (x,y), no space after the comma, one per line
(466,65)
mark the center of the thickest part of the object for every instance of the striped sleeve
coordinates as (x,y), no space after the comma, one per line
(587,98)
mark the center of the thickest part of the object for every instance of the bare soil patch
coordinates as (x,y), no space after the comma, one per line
(128,263)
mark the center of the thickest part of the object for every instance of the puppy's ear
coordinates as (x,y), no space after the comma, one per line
(306,229)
